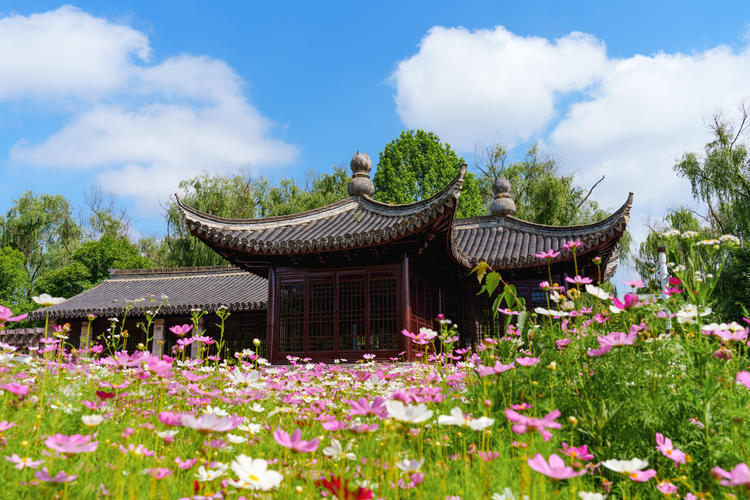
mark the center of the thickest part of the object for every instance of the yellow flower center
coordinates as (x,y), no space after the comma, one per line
(573,454)
(633,475)
(669,452)
(253,477)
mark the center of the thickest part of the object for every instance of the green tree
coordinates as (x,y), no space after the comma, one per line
(734,285)
(721,177)
(42,228)
(14,281)
(90,266)
(416,166)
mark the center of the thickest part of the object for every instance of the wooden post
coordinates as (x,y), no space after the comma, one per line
(195,345)
(157,344)
(84,341)
(406,318)
(271,326)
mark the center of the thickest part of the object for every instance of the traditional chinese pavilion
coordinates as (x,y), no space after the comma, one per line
(344,280)
(347,278)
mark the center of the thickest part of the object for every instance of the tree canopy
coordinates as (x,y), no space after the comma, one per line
(416,166)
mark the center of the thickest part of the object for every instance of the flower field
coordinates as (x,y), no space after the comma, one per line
(642,396)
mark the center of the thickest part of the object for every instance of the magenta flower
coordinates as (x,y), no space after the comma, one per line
(526,424)
(548,255)
(485,371)
(181,329)
(139,450)
(333,425)
(555,469)
(576,453)
(522,406)
(664,445)
(70,445)
(20,390)
(210,422)
(5,425)
(488,456)
(527,361)
(363,407)
(7,315)
(61,477)
(743,378)
(23,462)
(159,472)
(642,476)
(617,338)
(739,476)
(603,349)
(544,285)
(295,442)
(579,280)
(631,300)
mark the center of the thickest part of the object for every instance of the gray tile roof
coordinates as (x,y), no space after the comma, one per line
(185,289)
(512,243)
(356,221)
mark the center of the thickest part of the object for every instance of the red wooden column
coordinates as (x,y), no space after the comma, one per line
(406,306)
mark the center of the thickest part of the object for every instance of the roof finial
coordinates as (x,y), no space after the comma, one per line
(361,184)
(503,205)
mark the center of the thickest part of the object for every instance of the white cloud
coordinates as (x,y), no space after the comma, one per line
(491,85)
(629,119)
(142,127)
(66,52)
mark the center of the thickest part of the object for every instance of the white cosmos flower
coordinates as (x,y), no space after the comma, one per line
(235,439)
(413,414)
(407,465)
(251,428)
(689,312)
(257,408)
(597,292)
(204,474)
(550,312)
(92,420)
(215,410)
(456,417)
(254,474)
(626,466)
(480,423)
(586,495)
(335,451)
(167,434)
(249,379)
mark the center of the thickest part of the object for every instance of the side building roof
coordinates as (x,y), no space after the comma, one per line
(183,288)
(511,243)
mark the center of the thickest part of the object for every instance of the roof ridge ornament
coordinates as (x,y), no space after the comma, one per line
(361,184)
(503,205)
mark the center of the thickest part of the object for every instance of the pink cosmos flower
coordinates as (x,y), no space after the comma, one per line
(529,424)
(522,406)
(603,349)
(71,445)
(572,245)
(295,442)
(555,469)
(576,453)
(642,476)
(159,472)
(666,487)
(363,407)
(527,361)
(5,425)
(507,312)
(61,477)
(618,338)
(549,254)
(7,315)
(424,336)
(743,378)
(333,425)
(634,283)
(169,418)
(210,422)
(631,300)
(664,445)
(205,339)
(185,464)
(738,476)
(485,371)
(139,450)
(23,462)
(20,390)
(544,285)
(185,342)
(579,280)
(181,329)
(488,456)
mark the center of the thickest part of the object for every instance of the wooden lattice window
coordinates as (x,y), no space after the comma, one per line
(320,317)
(292,317)
(383,313)
(352,314)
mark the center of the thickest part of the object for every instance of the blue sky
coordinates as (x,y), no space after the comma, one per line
(136,95)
